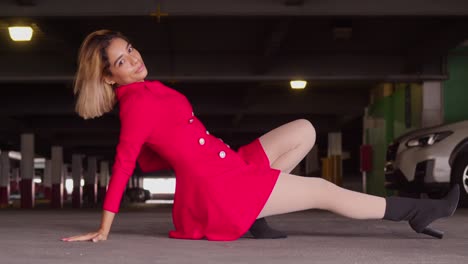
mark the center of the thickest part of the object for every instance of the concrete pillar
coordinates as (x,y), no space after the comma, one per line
(57,177)
(4,179)
(140,181)
(334,157)
(103,180)
(334,144)
(432,110)
(90,187)
(27,171)
(77,175)
(14,181)
(136,180)
(312,167)
(131,182)
(66,176)
(48,180)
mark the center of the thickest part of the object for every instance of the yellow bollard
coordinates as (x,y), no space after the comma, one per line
(337,176)
(326,169)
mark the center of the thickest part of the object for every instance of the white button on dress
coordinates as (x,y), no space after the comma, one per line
(222,154)
(207,132)
(201,141)
(193,114)
(190,120)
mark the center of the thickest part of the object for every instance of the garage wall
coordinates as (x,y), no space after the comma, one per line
(402,122)
(455,90)
(396,108)
(390,116)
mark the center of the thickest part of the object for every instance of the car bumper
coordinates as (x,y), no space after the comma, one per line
(396,180)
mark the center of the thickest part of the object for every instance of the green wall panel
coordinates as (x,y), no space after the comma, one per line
(456,87)
(389,122)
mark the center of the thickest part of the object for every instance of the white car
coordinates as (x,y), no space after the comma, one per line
(428,161)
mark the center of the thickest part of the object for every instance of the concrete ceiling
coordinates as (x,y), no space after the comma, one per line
(232,59)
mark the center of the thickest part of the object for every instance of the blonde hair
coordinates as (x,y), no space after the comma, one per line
(95,97)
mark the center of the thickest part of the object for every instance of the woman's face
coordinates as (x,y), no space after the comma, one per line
(126,64)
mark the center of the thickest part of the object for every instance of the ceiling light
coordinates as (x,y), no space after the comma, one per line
(20,33)
(298,84)
(14,155)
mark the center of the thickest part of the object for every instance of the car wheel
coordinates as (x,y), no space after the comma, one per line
(460,176)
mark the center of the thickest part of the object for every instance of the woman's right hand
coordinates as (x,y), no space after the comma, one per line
(99,235)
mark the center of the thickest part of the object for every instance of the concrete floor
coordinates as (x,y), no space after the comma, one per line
(139,235)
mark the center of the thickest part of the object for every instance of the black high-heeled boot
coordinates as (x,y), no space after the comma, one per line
(421,212)
(261,230)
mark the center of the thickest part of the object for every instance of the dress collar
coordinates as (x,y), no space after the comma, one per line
(124,89)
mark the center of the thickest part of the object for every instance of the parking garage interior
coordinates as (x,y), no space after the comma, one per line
(373,72)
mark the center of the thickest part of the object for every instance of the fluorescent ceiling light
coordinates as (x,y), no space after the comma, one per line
(14,155)
(20,33)
(298,84)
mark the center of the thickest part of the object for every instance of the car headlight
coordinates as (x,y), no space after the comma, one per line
(428,139)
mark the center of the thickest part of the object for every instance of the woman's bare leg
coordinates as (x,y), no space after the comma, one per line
(294,193)
(288,144)
(285,147)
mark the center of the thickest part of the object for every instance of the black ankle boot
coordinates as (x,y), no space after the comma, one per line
(421,212)
(261,229)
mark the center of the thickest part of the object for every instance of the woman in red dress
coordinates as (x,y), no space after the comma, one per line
(220,193)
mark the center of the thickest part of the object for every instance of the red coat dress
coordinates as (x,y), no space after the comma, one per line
(219,192)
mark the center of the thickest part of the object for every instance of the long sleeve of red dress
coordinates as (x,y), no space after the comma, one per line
(136,126)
